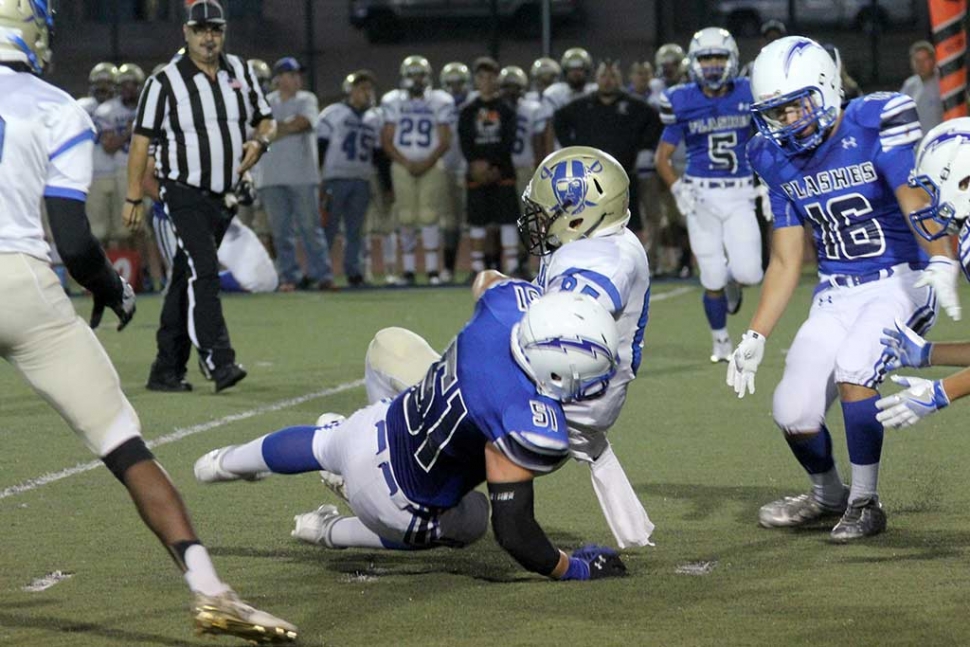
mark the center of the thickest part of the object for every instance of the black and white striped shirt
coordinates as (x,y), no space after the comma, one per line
(199,124)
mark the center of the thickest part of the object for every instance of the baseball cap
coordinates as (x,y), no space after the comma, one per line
(287,64)
(201,12)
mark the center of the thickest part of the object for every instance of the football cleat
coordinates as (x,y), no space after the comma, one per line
(734,295)
(863,518)
(208,469)
(793,511)
(315,527)
(722,351)
(335,483)
(227,614)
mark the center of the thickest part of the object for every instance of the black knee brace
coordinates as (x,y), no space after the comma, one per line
(125,455)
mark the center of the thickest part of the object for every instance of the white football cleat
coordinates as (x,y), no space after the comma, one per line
(227,614)
(208,469)
(329,419)
(335,483)
(314,527)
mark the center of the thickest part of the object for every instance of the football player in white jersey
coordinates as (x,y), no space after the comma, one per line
(716,192)
(103,199)
(456,80)
(347,133)
(844,173)
(576,215)
(416,135)
(943,171)
(577,66)
(544,72)
(46,157)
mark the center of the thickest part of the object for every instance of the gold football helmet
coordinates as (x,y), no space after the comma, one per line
(415,74)
(25,32)
(545,71)
(577,58)
(577,192)
(515,76)
(455,78)
(130,73)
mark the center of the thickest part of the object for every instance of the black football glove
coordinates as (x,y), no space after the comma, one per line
(124,307)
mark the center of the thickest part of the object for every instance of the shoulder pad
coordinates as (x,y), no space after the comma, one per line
(537,438)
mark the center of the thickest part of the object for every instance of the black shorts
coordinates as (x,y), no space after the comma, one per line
(492,205)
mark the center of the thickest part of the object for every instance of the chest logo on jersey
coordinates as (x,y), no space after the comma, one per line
(831,180)
(570,184)
(849,142)
(722,122)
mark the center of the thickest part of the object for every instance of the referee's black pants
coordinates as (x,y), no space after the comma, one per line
(192,313)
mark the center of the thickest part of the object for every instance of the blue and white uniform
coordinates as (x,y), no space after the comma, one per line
(407,461)
(868,257)
(723,228)
(612,269)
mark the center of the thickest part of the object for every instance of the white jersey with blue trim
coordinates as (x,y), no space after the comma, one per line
(846,187)
(416,120)
(46,145)
(613,270)
(454,160)
(475,394)
(115,117)
(353,136)
(715,130)
(530,121)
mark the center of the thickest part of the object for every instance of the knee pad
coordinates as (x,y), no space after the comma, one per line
(714,274)
(466,523)
(795,414)
(748,273)
(401,355)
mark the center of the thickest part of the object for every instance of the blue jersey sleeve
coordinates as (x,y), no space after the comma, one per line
(899,133)
(761,156)
(536,436)
(673,132)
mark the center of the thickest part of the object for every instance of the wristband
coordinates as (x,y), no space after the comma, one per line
(134,202)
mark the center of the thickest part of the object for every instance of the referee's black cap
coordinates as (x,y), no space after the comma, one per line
(203,12)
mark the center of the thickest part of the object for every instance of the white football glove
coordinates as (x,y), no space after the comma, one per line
(941,275)
(761,191)
(744,362)
(684,196)
(906,408)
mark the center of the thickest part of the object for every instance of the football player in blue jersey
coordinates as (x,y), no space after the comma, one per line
(410,465)
(844,173)
(716,193)
(943,171)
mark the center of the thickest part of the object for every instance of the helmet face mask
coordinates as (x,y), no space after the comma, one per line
(577,192)
(943,171)
(456,79)
(713,58)
(797,88)
(567,344)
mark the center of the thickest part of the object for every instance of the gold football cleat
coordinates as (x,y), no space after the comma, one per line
(227,614)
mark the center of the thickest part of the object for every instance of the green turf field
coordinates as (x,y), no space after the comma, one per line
(701,460)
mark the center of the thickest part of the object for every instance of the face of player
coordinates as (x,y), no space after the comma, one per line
(543,81)
(791,113)
(608,81)
(640,79)
(102,91)
(204,42)
(671,72)
(416,83)
(362,95)
(455,87)
(129,91)
(512,92)
(576,78)
(924,64)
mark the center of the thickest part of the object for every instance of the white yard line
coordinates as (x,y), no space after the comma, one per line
(178,434)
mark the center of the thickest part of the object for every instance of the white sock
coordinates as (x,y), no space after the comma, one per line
(246,459)
(509,236)
(200,574)
(827,487)
(389,251)
(721,334)
(864,481)
(409,243)
(477,253)
(431,241)
(350,532)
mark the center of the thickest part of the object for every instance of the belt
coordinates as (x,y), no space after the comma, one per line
(188,187)
(716,183)
(852,280)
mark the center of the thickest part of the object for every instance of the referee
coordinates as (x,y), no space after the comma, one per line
(196,109)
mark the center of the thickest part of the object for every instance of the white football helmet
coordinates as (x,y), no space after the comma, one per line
(567,344)
(713,41)
(25,32)
(796,73)
(943,171)
(577,192)
(415,74)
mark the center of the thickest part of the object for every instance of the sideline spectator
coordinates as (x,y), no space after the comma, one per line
(924,85)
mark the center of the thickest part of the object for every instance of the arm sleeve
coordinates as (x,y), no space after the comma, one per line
(899,132)
(516,528)
(152,105)
(81,253)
